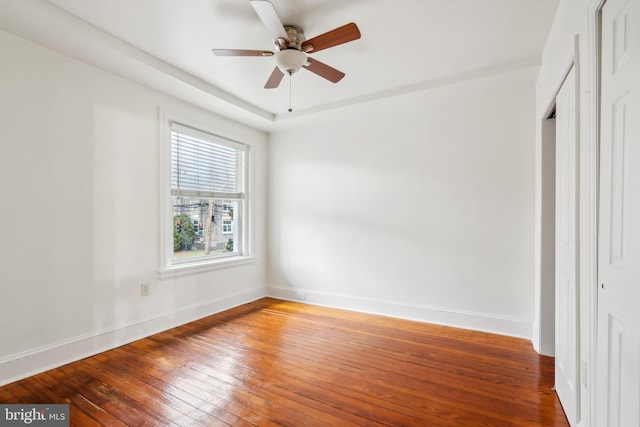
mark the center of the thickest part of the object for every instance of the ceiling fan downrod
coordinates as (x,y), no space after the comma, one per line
(290,77)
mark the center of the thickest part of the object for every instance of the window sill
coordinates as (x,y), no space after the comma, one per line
(200,267)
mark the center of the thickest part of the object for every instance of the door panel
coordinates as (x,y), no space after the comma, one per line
(618,381)
(566,373)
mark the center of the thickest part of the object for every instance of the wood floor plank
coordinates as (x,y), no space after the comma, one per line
(279,363)
(367,392)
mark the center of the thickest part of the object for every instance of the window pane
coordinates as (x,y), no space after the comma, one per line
(206,228)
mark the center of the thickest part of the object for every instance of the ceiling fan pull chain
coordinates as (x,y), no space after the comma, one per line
(290,74)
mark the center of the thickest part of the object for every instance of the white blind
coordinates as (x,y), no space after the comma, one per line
(205,165)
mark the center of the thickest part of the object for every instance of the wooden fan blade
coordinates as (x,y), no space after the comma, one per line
(340,35)
(269,18)
(241,52)
(274,79)
(324,70)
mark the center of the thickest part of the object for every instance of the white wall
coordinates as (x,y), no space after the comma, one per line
(79,166)
(418,206)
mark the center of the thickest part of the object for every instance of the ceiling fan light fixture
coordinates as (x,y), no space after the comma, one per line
(290,60)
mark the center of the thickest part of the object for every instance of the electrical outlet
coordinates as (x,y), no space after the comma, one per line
(145,289)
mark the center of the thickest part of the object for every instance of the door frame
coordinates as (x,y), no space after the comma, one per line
(592,152)
(589,104)
(544,323)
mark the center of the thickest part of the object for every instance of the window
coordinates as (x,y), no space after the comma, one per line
(207,197)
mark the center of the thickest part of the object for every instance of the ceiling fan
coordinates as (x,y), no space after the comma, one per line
(292,47)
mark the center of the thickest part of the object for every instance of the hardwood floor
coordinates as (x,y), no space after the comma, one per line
(274,362)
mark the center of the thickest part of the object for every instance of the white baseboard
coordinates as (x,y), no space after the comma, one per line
(22,365)
(535,336)
(502,325)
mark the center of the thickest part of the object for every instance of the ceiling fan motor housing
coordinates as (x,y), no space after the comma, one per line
(296,37)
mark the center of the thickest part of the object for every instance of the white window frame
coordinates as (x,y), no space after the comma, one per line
(168,266)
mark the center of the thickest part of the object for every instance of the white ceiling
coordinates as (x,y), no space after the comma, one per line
(405,45)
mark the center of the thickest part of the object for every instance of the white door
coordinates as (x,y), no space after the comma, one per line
(566,372)
(618,357)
